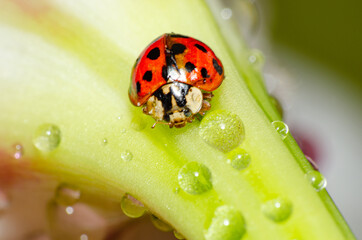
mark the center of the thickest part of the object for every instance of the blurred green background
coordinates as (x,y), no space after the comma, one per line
(327,30)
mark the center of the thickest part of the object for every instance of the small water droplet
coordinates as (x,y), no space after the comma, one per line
(69,210)
(119,117)
(278,209)
(132,207)
(104,141)
(194,178)
(222,129)
(67,195)
(239,159)
(227,223)
(19,151)
(47,137)
(178,235)
(256,58)
(138,123)
(226,13)
(176,190)
(159,224)
(126,156)
(317,180)
(281,128)
(84,237)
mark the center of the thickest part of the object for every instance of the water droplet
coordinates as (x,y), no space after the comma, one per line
(256,58)
(19,151)
(222,129)
(67,195)
(194,178)
(239,159)
(104,141)
(84,237)
(126,156)
(138,123)
(160,225)
(178,235)
(226,13)
(176,190)
(47,137)
(277,105)
(69,210)
(317,180)
(278,209)
(132,207)
(227,223)
(281,128)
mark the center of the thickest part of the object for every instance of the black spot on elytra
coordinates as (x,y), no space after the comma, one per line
(164,73)
(204,73)
(178,36)
(147,76)
(138,87)
(201,48)
(154,53)
(217,67)
(178,48)
(189,67)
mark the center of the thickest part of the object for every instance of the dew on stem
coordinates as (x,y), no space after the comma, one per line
(47,137)
(132,207)
(278,209)
(159,224)
(126,156)
(222,129)
(281,128)
(239,159)
(195,178)
(256,58)
(227,223)
(317,180)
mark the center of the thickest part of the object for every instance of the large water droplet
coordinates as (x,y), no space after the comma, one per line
(256,58)
(126,156)
(281,128)
(132,207)
(239,159)
(67,195)
(227,223)
(278,209)
(178,235)
(226,13)
(222,129)
(19,151)
(138,123)
(317,180)
(47,137)
(195,178)
(159,224)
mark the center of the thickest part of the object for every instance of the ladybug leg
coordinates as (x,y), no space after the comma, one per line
(158,122)
(207,96)
(205,107)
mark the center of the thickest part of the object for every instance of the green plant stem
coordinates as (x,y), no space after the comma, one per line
(77,78)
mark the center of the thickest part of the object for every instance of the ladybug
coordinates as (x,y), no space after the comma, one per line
(173,79)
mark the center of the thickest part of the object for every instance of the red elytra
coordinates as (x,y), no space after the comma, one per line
(173,57)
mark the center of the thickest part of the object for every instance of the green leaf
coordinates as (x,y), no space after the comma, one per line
(68,64)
